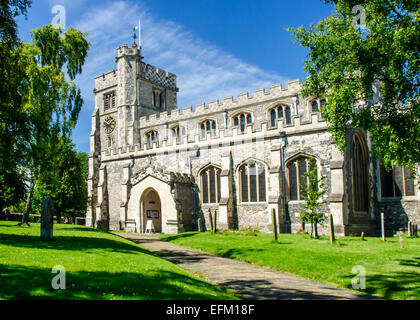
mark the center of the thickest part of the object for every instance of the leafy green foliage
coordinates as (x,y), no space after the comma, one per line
(52,102)
(312,195)
(12,117)
(376,67)
(65,180)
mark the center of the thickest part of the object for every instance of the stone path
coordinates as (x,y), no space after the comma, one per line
(249,281)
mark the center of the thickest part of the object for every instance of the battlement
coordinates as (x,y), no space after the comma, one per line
(243,99)
(126,51)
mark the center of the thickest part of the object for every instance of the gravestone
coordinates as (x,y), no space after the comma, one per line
(47,213)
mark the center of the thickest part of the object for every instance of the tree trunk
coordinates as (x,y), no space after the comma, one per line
(25,218)
(303,225)
(312,229)
(316,229)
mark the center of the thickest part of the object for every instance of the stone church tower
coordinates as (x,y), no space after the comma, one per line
(152,165)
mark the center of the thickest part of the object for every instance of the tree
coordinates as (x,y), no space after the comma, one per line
(51,102)
(312,194)
(65,180)
(12,116)
(369,76)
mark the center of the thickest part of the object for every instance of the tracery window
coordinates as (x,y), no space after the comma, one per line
(242,120)
(398,182)
(208,126)
(151,136)
(210,185)
(178,132)
(252,182)
(315,106)
(297,180)
(360,174)
(275,114)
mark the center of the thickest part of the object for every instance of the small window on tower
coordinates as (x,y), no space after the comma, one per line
(158,99)
(109,100)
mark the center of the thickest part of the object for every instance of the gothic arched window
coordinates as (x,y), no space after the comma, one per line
(297,178)
(398,182)
(275,114)
(360,174)
(210,185)
(241,120)
(288,113)
(252,182)
(178,132)
(315,106)
(152,136)
(208,126)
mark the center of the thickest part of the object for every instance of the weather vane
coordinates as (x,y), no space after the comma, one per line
(134,33)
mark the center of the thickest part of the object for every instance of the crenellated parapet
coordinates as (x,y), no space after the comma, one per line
(215,106)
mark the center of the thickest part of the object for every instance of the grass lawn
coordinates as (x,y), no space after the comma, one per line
(391,272)
(98,265)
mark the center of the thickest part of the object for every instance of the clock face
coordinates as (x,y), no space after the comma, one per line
(109,124)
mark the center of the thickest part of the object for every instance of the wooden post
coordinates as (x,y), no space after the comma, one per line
(332,235)
(415,230)
(215,221)
(401,242)
(383,225)
(211,221)
(410,229)
(274,223)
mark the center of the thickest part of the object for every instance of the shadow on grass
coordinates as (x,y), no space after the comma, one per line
(71,243)
(415,262)
(232,253)
(178,236)
(255,289)
(20,282)
(391,284)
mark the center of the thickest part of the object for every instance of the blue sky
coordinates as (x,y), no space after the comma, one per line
(216,48)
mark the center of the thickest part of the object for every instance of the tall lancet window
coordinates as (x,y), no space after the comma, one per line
(360,161)
(252,182)
(210,185)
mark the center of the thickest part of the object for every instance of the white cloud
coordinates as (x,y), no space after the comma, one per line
(204,71)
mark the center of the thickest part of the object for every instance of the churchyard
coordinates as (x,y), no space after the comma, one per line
(392,267)
(98,265)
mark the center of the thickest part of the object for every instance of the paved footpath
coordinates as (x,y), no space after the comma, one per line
(249,281)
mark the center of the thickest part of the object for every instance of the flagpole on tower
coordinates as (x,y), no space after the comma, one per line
(139,34)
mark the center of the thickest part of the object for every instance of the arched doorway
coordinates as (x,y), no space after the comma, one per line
(151,210)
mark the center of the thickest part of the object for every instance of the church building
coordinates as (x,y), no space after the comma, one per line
(151,164)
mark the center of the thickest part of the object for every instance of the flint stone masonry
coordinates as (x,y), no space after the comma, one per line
(124,166)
